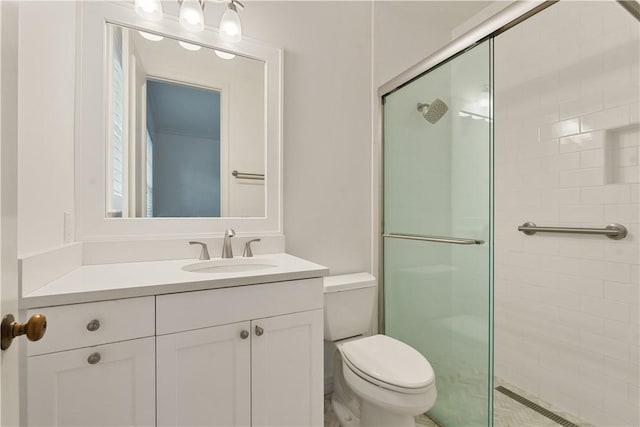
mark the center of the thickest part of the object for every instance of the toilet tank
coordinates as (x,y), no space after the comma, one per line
(348,305)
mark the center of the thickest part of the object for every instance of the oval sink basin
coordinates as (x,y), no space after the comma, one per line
(232,265)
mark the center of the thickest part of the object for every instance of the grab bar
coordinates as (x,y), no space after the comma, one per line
(243,175)
(612,231)
(437,239)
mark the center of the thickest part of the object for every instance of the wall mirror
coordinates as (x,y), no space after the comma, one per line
(186,128)
(185,136)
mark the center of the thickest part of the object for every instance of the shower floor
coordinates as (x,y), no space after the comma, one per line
(507,412)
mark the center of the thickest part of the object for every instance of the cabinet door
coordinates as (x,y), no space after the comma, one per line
(107,385)
(287,366)
(204,377)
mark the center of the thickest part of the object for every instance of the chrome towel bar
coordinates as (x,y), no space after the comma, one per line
(612,231)
(437,239)
(243,175)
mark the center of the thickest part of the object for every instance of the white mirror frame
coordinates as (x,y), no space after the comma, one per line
(91,137)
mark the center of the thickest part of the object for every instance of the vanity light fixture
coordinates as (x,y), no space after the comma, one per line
(192,14)
(224,55)
(149,9)
(151,36)
(189,46)
(230,25)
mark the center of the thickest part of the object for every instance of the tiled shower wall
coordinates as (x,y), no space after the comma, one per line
(567,140)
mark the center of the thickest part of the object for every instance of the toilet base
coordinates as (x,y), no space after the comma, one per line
(375,416)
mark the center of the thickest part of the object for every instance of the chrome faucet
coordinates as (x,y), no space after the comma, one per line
(204,254)
(227,251)
(248,253)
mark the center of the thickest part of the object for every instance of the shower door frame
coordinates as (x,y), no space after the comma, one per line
(507,18)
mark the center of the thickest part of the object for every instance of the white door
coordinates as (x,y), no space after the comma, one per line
(204,377)
(9,359)
(107,385)
(287,366)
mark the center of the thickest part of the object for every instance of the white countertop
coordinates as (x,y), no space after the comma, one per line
(113,281)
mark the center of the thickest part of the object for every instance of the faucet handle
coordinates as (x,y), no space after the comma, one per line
(204,254)
(248,253)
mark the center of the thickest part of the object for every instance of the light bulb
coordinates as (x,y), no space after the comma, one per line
(191,15)
(149,9)
(150,36)
(223,54)
(189,46)
(230,25)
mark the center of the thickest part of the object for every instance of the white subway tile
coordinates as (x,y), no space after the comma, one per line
(606,119)
(592,195)
(619,251)
(624,332)
(581,248)
(634,112)
(629,175)
(560,129)
(624,292)
(569,179)
(567,196)
(621,214)
(605,308)
(620,370)
(611,271)
(583,141)
(621,94)
(604,346)
(578,320)
(579,285)
(592,158)
(626,157)
(617,193)
(581,213)
(569,161)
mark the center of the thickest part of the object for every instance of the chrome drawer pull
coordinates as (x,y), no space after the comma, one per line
(94,358)
(94,325)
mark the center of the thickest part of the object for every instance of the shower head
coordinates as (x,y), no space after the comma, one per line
(434,111)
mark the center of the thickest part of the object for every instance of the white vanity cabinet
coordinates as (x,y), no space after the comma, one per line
(242,356)
(238,356)
(93,368)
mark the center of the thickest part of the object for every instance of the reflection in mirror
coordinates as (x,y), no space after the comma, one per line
(186,129)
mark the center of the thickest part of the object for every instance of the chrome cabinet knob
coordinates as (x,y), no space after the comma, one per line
(244,335)
(93,326)
(259,331)
(93,358)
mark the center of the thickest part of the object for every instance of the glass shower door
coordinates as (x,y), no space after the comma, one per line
(437,230)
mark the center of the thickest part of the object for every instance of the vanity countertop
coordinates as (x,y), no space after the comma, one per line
(126,280)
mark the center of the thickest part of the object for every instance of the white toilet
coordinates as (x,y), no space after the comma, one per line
(377,380)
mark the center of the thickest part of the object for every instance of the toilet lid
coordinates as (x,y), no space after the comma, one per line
(389,361)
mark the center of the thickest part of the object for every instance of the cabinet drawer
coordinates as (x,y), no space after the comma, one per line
(201,309)
(82,325)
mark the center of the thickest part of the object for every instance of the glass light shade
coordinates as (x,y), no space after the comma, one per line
(149,9)
(230,25)
(224,55)
(189,46)
(152,37)
(191,15)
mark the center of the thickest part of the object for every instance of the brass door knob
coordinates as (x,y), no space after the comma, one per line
(34,329)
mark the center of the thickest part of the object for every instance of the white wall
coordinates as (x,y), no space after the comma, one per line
(327,126)
(47,41)
(566,150)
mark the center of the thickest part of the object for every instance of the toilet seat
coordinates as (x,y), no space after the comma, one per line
(388,363)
